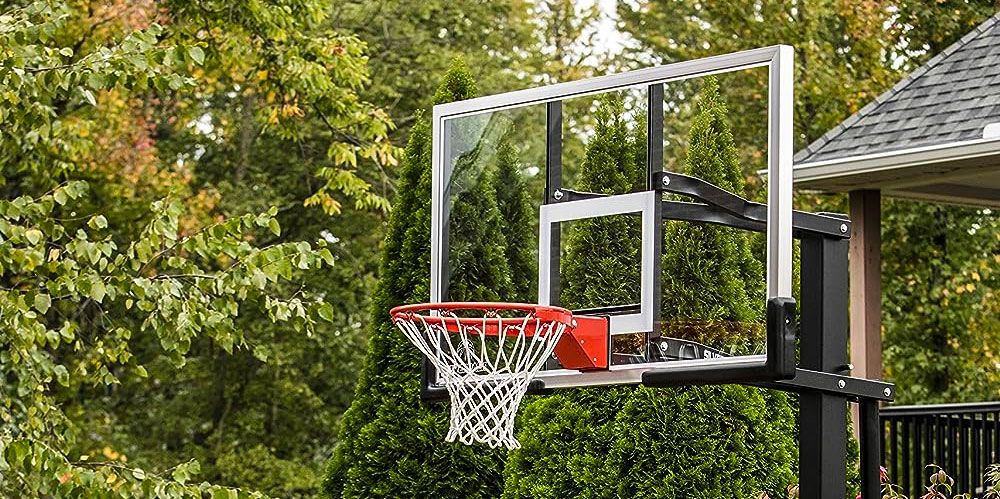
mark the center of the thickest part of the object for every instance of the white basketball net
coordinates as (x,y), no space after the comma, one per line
(486,375)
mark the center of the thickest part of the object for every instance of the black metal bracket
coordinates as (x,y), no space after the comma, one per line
(849,387)
(733,211)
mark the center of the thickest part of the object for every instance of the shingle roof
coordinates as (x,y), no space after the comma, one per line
(949,99)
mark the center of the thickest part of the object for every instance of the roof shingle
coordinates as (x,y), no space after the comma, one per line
(948,99)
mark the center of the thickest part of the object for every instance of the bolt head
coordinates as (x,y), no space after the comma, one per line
(887,392)
(843,228)
(558,195)
(666,180)
(841,384)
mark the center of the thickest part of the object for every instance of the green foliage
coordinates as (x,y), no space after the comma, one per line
(722,441)
(387,423)
(73,300)
(299,69)
(931,30)
(150,320)
(413,43)
(940,305)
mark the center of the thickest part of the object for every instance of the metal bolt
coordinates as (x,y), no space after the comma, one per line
(887,392)
(666,180)
(595,359)
(558,195)
(841,384)
(843,228)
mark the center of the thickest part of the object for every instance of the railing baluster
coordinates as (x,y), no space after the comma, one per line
(977,447)
(918,449)
(963,470)
(996,438)
(939,426)
(906,456)
(929,439)
(893,449)
(987,442)
(952,447)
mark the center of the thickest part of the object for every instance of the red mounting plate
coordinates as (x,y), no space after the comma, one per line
(587,347)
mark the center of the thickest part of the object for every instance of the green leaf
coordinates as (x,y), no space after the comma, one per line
(95,80)
(139,474)
(325,311)
(97,222)
(87,94)
(66,52)
(273,225)
(42,302)
(141,371)
(326,256)
(61,375)
(197,55)
(60,196)
(97,291)
(33,235)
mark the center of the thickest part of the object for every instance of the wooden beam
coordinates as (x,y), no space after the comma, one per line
(866,283)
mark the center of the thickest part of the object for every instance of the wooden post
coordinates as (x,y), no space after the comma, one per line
(866,286)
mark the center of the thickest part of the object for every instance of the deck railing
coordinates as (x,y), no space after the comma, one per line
(963,439)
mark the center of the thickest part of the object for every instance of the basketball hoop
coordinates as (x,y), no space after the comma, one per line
(486,355)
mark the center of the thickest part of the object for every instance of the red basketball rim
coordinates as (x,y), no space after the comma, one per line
(421,311)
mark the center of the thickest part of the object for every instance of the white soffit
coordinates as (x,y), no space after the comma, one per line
(966,172)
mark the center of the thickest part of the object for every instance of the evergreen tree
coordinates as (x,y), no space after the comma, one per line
(718,441)
(392,444)
(610,244)
(709,272)
(516,223)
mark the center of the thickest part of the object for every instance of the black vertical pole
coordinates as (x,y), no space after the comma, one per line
(871,443)
(553,182)
(654,165)
(654,133)
(823,347)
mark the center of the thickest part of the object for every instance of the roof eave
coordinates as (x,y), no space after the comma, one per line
(901,172)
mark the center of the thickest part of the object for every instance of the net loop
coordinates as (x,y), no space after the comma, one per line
(486,355)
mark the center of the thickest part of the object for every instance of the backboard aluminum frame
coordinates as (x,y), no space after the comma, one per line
(779,61)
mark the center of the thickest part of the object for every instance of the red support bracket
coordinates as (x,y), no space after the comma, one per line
(587,347)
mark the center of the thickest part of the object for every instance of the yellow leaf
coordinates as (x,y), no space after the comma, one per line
(262,75)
